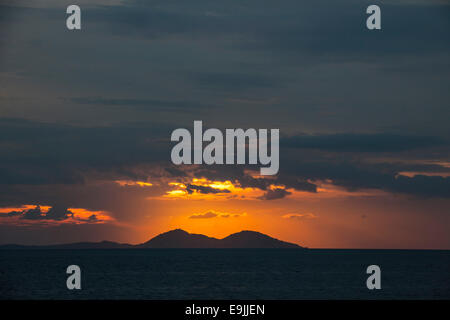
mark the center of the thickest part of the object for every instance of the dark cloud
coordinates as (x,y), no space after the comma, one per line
(43,153)
(274,194)
(296,183)
(300,174)
(35,153)
(33,214)
(345,36)
(420,185)
(93,218)
(58,212)
(349,142)
(288,28)
(247,181)
(241,178)
(235,81)
(174,172)
(201,51)
(357,175)
(190,188)
(149,104)
(54,213)
(14,213)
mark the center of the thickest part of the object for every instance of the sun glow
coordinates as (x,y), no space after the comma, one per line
(210,190)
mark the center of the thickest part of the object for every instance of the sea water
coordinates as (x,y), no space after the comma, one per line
(224,274)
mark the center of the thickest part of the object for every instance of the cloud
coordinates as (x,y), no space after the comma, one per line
(61,4)
(214,214)
(297,183)
(190,188)
(38,154)
(356,174)
(420,185)
(14,213)
(143,104)
(291,51)
(206,215)
(49,153)
(299,171)
(286,33)
(58,212)
(299,216)
(93,218)
(174,172)
(274,194)
(350,142)
(243,179)
(235,81)
(54,213)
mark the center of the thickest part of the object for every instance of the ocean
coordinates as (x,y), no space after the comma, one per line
(173,274)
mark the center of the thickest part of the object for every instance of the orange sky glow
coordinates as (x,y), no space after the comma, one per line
(331,217)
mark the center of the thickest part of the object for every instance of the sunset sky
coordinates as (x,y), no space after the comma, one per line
(86,118)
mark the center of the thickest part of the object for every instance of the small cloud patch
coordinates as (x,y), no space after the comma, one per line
(274,194)
(214,214)
(299,216)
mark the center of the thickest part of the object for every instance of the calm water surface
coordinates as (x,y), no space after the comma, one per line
(224,274)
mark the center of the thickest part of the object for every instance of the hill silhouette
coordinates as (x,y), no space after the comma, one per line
(178,238)
(253,239)
(245,239)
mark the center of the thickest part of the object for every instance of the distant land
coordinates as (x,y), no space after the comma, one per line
(178,239)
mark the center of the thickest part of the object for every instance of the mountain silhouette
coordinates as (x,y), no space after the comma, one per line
(245,239)
(178,239)
(253,239)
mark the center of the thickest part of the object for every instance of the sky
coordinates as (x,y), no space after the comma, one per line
(86,118)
